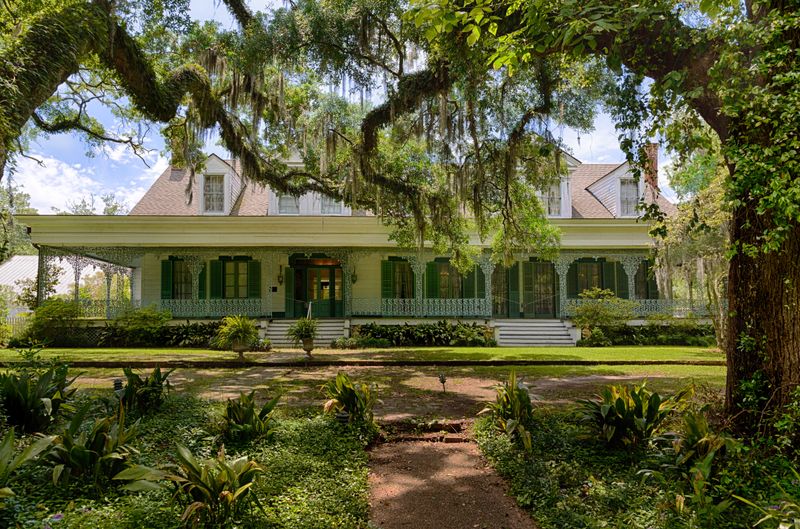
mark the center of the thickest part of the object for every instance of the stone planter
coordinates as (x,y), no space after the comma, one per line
(308,345)
(241,348)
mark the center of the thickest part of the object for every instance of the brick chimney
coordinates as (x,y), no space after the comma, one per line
(651,165)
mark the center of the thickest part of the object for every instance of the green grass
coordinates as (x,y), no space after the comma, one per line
(437,354)
(315,476)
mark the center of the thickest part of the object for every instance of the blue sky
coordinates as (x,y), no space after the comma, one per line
(68,173)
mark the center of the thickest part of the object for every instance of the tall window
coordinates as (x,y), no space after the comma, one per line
(553,200)
(181,280)
(331,206)
(288,205)
(235,279)
(403,280)
(449,281)
(214,193)
(629,197)
(590,275)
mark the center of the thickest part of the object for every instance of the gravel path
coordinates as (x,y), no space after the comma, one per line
(427,485)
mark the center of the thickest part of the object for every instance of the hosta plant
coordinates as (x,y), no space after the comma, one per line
(31,400)
(244,421)
(628,415)
(512,410)
(356,400)
(10,460)
(147,393)
(92,452)
(212,492)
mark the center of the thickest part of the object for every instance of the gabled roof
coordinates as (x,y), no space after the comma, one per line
(584,204)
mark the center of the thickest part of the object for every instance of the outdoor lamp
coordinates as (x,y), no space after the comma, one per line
(280,274)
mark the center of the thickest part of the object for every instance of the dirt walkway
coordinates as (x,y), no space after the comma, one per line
(426,485)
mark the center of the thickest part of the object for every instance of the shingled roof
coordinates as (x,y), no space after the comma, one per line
(167,195)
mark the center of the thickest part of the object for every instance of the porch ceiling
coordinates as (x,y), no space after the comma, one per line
(288,232)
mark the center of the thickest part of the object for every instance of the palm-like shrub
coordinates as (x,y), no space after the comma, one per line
(31,400)
(10,461)
(101,450)
(302,332)
(145,393)
(212,492)
(357,400)
(244,421)
(697,440)
(237,333)
(628,415)
(512,410)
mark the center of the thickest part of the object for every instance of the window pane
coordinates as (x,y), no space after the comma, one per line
(629,197)
(181,281)
(214,193)
(589,276)
(403,280)
(554,200)
(288,205)
(331,206)
(338,283)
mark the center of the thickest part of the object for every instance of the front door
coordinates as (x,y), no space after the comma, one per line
(539,289)
(318,282)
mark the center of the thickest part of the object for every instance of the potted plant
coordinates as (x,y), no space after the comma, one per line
(303,331)
(237,333)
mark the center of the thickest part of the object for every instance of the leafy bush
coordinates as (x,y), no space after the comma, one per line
(237,333)
(213,492)
(359,342)
(95,452)
(673,333)
(244,422)
(188,334)
(5,333)
(10,461)
(512,411)
(355,399)
(302,329)
(54,322)
(144,327)
(628,415)
(33,400)
(597,338)
(262,345)
(440,333)
(601,307)
(697,440)
(145,394)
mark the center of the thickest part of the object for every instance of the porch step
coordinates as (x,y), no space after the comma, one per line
(327,331)
(533,333)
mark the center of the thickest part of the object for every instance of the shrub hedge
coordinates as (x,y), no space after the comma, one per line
(440,333)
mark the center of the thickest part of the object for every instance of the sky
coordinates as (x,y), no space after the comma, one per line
(64,172)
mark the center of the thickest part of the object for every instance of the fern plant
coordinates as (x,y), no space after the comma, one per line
(512,410)
(243,421)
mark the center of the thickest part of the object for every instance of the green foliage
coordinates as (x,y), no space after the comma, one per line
(137,328)
(697,441)
(196,334)
(360,342)
(302,329)
(786,425)
(28,287)
(628,415)
(10,461)
(54,323)
(92,452)
(512,411)
(243,421)
(673,333)
(355,399)
(601,307)
(785,514)
(31,400)
(145,395)
(236,331)
(440,333)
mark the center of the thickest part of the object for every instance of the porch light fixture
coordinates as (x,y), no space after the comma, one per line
(280,274)
(354,277)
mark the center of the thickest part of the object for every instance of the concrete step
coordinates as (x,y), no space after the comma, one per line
(533,333)
(327,331)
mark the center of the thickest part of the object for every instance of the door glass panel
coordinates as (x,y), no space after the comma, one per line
(313,278)
(338,284)
(500,291)
(325,283)
(544,285)
(242,279)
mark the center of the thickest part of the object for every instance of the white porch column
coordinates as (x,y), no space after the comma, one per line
(561,265)
(78,263)
(487,267)
(630,263)
(108,273)
(418,263)
(195,264)
(265,258)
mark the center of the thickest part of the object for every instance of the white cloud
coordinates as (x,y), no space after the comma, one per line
(598,146)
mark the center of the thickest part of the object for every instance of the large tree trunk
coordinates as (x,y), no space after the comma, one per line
(764,325)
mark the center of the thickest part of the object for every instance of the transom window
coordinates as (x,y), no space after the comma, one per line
(331,206)
(235,279)
(553,200)
(214,193)
(288,205)
(629,197)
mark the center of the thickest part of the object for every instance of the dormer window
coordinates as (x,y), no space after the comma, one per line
(628,197)
(214,193)
(553,200)
(288,205)
(331,206)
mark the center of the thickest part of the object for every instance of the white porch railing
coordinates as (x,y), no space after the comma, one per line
(213,308)
(421,308)
(678,308)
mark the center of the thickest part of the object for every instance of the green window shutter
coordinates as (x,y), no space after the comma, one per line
(254,279)
(513,291)
(572,281)
(201,290)
(387,279)
(622,282)
(652,284)
(432,281)
(609,276)
(288,282)
(481,285)
(469,284)
(217,278)
(166,279)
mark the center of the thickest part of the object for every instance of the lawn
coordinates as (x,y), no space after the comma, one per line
(411,354)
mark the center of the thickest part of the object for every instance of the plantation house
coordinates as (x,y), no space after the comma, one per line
(238,248)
